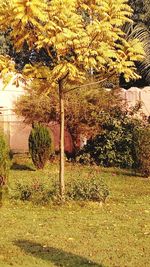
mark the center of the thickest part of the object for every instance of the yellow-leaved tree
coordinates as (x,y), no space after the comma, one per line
(78,36)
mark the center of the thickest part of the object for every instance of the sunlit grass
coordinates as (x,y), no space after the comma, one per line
(77,234)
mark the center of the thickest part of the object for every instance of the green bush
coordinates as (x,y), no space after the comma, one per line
(124,141)
(89,188)
(40,145)
(37,192)
(141,149)
(4,165)
(115,145)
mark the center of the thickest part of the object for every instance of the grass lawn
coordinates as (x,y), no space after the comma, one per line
(116,234)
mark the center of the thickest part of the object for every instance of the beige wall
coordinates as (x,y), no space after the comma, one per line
(15,130)
(134,95)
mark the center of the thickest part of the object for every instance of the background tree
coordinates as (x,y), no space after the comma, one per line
(140,29)
(141,12)
(83,108)
(4,44)
(77,36)
(138,7)
(146,13)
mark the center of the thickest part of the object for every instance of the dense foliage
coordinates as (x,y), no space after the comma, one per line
(123,142)
(40,145)
(140,29)
(4,164)
(141,155)
(4,158)
(138,7)
(141,11)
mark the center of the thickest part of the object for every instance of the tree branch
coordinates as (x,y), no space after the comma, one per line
(88,84)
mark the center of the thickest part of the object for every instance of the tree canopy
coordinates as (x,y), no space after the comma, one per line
(73,41)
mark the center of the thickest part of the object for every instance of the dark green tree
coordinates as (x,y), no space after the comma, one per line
(141,29)
(40,145)
(138,7)
(4,44)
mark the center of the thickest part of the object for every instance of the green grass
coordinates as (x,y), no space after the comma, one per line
(116,234)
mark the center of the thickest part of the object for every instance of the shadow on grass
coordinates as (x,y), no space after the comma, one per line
(129,173)
(54,255)
(121,172)
(21,167)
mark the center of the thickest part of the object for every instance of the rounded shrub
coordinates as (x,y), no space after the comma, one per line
(40,145)
(4,165)
(112,146)
(123,141)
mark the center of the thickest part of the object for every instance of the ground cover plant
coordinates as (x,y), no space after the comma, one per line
(77,233)
(80,186)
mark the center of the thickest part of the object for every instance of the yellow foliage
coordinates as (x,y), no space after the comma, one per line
(7,68)
(84,34)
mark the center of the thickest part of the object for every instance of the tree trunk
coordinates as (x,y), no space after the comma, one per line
(61,171)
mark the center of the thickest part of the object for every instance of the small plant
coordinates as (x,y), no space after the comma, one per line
(4,165)
(89,188)
(40,145)
(37,192)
